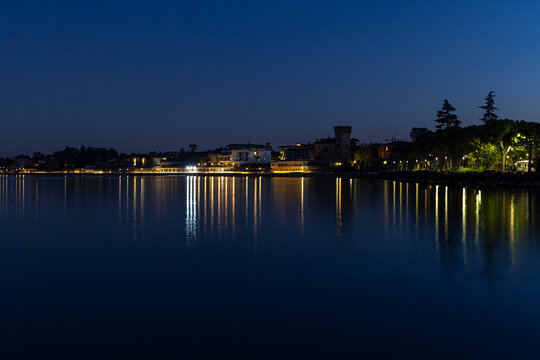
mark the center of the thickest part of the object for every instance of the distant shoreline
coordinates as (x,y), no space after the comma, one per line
(475,179)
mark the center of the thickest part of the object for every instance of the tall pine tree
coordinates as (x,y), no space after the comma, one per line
(446,119)
(489,108)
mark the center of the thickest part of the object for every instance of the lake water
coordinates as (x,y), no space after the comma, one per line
(256,267)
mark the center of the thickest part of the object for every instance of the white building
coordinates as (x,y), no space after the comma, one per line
(244,154)
(523,166)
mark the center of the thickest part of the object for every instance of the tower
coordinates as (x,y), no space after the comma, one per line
(342,143)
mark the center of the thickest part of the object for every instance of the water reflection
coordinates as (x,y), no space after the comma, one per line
(497,219)
(464,223)
(302,215)
(191,210)
(214,207)
(481,231)
(339,221)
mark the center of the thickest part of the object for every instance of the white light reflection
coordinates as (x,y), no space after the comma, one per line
(191,211)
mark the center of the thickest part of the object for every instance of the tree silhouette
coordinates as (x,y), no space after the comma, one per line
(418,132)
(446,119)
(489,108)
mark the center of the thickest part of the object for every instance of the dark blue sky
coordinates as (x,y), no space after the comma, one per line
(161,75)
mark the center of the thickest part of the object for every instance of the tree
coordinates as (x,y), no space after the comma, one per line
(489,108)
(483,154)
(528,140)
(362,155)
(501,132)
(37,156)
(417,133)
(192,147)
(445,117)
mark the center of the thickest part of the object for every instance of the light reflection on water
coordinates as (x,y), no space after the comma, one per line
(215,206)
(342,247)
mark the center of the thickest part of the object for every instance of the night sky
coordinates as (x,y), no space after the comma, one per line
(143,76)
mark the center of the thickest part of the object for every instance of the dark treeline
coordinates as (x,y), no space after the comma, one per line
(495,144)
(498,144)
(93,158)
(70,158)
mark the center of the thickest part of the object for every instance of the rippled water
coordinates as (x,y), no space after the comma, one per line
(266,268)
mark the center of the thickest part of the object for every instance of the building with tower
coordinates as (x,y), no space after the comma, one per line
(342,138)
(336,150)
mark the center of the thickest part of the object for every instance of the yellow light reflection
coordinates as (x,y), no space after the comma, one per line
(219,195)
(212,206)
(400,204)
(464,224)
(255,208)
(385,204)
(512,232)
(394,205)
(233,207)
(416,207)
(437,220)
(477,218)
(446,213)
(339,221)
(134,200)
(141,192)
(302,207)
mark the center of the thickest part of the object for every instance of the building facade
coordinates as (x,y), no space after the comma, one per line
(296,152)
(288,166)
(336,150)
(245,154)
(323,151)
(22,162)
(342,137)
(385,151)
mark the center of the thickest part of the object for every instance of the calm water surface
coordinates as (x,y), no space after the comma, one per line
(266,268)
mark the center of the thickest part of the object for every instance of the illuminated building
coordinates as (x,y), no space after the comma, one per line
(176,167)
(244,154)
(289,166)
(523,166)
(385,151)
